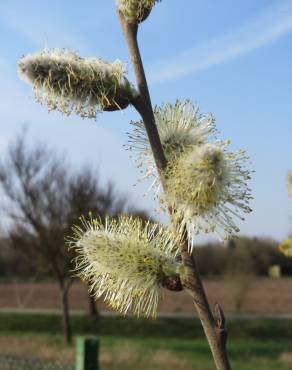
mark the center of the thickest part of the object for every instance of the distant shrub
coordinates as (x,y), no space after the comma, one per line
(243,254)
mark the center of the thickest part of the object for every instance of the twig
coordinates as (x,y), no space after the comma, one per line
(213,325)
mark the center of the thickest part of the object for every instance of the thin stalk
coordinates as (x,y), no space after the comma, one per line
(213,323)
(142,102)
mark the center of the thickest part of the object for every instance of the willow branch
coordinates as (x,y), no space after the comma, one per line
(214,325)
(142,101)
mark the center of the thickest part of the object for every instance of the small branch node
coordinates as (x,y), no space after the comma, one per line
(172,283)
(219,316)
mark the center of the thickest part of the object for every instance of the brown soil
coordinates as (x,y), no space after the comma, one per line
(268,296)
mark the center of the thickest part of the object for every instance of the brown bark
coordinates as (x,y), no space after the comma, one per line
(67,329)
(92,307)
(213,323)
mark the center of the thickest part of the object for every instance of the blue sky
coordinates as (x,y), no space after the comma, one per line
(233,58)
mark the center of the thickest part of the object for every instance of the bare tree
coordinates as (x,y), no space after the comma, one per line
(86,196)
(42,201)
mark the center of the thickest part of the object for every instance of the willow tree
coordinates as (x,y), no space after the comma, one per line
(199,181)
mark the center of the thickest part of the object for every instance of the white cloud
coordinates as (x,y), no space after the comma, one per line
(273,23)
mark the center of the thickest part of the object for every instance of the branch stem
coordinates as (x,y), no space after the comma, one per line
(142,102)
(213,324)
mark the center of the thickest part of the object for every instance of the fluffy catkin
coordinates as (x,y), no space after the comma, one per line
(125,260)
(207,186)
(181,126)
(205,183)
(135,11)
(64,81)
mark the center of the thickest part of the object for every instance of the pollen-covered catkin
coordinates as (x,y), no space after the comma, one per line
(125,260)
(207,186)
(64,81)
(204,182)
(135,11)
(181,126)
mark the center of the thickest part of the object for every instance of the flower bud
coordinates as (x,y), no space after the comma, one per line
(136,11)
(66,82)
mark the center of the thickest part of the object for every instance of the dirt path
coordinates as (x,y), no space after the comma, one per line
(262,296)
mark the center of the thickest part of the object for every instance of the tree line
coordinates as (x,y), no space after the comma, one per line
(244,255)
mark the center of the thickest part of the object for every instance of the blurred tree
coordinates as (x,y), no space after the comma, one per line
(212,259)
(10,268)
(240,271)
(43,198)
(258,254)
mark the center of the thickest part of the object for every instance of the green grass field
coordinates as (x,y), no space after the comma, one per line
(187,328)
(131,344)
(138,353)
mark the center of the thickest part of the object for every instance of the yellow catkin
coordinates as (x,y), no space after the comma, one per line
(181,126)
(124,260)
(64,81)
(286,247)
(135,10)
(207,185)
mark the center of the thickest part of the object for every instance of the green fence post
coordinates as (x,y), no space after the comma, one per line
(87,354)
